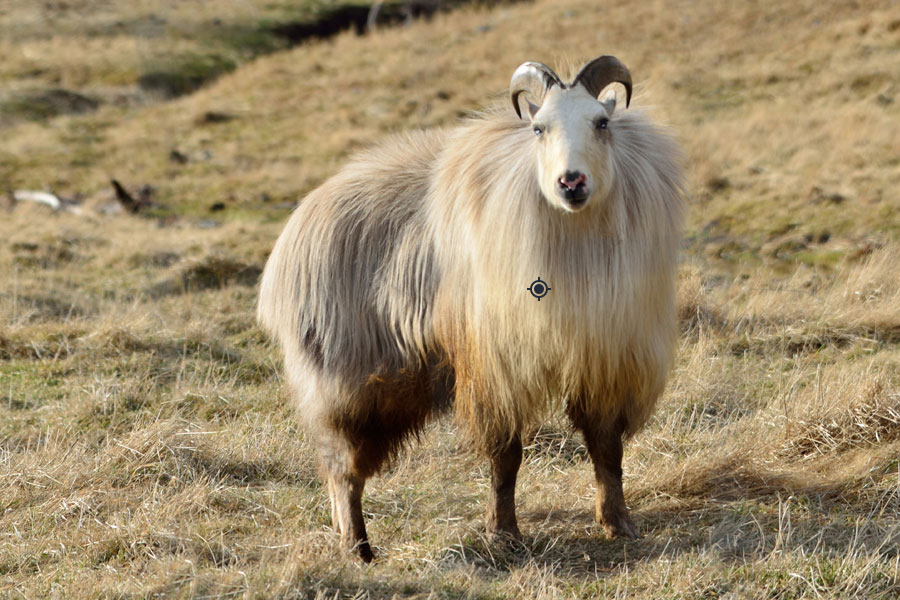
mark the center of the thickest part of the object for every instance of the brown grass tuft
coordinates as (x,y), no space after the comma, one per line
(869,419)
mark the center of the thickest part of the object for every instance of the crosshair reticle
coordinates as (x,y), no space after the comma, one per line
(538,288)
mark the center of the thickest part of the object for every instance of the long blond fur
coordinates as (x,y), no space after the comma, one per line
(410,267)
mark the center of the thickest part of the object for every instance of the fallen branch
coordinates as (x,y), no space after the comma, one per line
(45,198)
(128,201)
(40,197)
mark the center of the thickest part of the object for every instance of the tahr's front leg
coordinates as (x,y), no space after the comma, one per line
(501,512)
(604,443)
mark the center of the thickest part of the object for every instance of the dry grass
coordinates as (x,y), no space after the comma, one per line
(145,446)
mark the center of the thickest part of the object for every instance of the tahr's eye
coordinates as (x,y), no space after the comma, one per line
(538,130)
(603,123)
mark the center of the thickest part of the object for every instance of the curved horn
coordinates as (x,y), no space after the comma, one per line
(600,72)
(532,78)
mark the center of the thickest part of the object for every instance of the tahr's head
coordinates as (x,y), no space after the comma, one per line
(573,127)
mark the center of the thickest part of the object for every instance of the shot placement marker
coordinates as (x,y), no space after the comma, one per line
(538,288)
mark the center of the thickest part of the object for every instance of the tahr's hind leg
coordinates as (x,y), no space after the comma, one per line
(346,513)
(345,488)
(604,443)
(355,444)
(501,512)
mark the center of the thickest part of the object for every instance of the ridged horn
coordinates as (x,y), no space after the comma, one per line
(534,79)
(602,71)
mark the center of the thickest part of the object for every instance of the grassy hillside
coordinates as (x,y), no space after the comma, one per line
(146,449)
(129,51)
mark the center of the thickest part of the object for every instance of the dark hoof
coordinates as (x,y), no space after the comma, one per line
(507,536)
(361,548)
(621,527)
(365,552)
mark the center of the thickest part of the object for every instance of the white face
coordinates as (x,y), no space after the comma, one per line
(573,131)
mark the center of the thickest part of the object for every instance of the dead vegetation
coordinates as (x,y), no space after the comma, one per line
(210,272)
(146,448)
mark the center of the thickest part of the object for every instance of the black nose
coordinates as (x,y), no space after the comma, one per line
(572,187)
(572,179)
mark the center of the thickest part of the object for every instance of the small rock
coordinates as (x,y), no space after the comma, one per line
(207,224)
(817,195)
(717,184)
(176,156)
(111,208)
(213,116)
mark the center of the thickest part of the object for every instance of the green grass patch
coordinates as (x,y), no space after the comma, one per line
(178,75)
(46,104)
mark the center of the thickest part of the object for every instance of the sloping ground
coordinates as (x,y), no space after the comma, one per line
(145,446)
(71,56)
(97,47)
(787,113)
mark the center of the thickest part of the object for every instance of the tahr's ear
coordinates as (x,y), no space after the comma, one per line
(532,80)
(609,102)
(530,107)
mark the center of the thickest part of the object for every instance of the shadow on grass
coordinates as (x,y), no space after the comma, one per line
(249,473)
(738,516)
